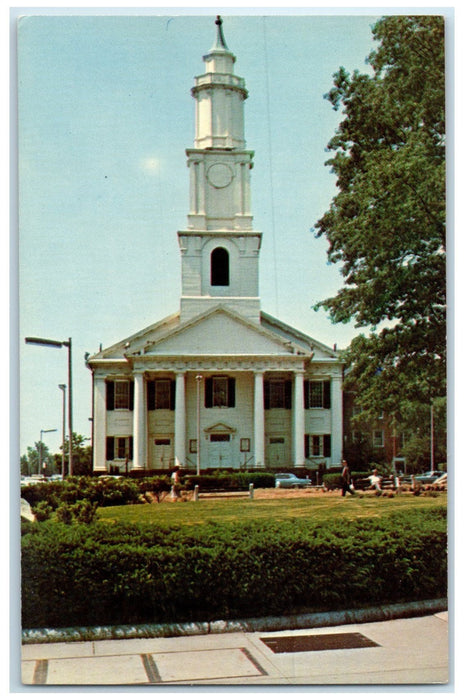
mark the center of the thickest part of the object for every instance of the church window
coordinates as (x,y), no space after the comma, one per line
(220,392)
(317,394)
(119,447)
(120,395)
(219,268)
(318,446)
(277,393)
(161,394)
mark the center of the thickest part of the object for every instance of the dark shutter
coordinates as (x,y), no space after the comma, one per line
(151,390)
(267,390)
(208,392)
(231,392)
(306,393)
(110,397)
(327,445)
(326,394)
(172,397)
(306,446)
(288,394)
(131,447)
(131,395)
(109,447)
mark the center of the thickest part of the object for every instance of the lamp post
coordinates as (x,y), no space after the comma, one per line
(60,344)
(198,379)
(63,389)
(51,430)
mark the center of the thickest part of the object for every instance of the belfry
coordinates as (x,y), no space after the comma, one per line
(220,384)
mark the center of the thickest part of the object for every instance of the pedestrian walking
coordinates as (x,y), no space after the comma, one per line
(175,481)
(347,486)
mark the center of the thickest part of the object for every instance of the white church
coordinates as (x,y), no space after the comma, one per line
(221,383)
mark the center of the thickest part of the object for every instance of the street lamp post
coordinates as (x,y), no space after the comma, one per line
(63,389)
(51,430)
(198,380)
(60,344)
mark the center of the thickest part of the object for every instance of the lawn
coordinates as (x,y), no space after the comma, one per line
(314,508)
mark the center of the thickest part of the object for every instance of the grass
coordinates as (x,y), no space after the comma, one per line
(312,508)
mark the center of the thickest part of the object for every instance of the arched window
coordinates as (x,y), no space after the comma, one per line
(220,268)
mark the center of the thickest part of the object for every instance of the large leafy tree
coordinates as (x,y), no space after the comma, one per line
(386,225)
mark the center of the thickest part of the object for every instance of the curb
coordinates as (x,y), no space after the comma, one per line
(258,624)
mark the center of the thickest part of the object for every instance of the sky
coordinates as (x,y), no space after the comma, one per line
(104,117)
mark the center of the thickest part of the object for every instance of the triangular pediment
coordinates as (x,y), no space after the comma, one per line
(303,342)
(219,428)
(219,331)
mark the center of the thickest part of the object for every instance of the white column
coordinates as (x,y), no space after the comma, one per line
(179,430)
(99,424)
(337,417)
(298,420)
(139,457)
(259,419)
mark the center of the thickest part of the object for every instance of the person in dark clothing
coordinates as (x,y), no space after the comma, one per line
(346,479)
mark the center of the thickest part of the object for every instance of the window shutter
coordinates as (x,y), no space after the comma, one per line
(288,394)
(131,447)
(231,392)
(266,395)
(151,389)
(109,447)
(208,392)
(306,393)
(327,445)
(172,397)
(306,446)
(326,394)
(131,395)
(110,397)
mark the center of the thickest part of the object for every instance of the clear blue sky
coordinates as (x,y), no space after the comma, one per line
(105,116)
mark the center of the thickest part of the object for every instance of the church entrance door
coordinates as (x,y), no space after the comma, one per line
(277,453)
(219,451)
(161,453)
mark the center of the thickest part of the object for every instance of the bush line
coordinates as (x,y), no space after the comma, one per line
(103,574)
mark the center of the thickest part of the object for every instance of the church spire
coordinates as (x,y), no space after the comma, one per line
(220,41)
(220,248)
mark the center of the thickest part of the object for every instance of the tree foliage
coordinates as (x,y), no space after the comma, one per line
(386,225)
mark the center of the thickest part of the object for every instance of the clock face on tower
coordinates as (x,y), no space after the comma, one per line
(219,175)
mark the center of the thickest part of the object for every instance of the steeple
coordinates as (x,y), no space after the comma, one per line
(219,247)
(220,41)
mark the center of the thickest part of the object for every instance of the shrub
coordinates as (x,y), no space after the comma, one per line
(126,574)
(42,511)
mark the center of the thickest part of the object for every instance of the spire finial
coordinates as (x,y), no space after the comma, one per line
(220,41)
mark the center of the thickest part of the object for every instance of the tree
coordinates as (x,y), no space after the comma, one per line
(30,461)
(82,455)
(386,225)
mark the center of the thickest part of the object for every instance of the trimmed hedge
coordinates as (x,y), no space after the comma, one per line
(334,481)
(104,574)
(240,481)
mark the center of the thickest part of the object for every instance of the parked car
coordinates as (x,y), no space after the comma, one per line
(290,481)
(428,477)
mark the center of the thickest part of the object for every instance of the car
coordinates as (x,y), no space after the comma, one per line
(290,481)
(428,477)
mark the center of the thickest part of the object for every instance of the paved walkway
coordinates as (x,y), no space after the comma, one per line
(393,652)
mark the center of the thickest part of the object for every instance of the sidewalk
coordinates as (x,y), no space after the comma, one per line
(393,652)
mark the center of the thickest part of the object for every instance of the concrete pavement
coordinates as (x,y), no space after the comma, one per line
(410,650)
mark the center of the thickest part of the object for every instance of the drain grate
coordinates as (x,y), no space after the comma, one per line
(317,642)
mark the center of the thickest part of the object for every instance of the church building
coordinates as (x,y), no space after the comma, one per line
(220,383)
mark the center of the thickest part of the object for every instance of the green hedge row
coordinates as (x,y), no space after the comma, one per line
(240,481)
(334,481)
(121,491)
(104,574)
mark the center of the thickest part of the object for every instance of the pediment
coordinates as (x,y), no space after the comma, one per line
(219,332)
(219,428)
